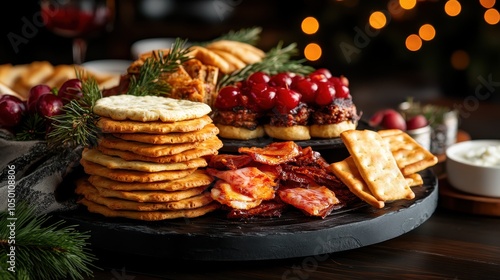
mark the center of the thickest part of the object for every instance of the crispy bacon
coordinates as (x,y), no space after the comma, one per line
(226,195)
(228,161)
(249,181)
(270,208)
(315,201)
(309,157)
(273,154)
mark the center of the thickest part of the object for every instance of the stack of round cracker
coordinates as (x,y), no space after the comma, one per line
(149,162)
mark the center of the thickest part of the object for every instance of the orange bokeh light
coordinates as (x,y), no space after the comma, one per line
(460,59)
(487,3)
(427,32)
(312,52)
(452,8)
(407,4)
(413,42)
(491,16)
(310,25)
(377,20)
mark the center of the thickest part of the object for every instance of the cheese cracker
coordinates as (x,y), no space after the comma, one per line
(171,138)
(410,156)
(348,173)
(377,165)
(108,125)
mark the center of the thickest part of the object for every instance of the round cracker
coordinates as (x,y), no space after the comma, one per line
(171,138)
(132,175)
(149,215)
(145,149)
(149,108)
(197,179)
(113,162)
(209,57)
(208,147)
(83,187)
(108,125)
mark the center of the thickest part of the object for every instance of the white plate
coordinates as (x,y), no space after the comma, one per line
(146,45)
(107,66)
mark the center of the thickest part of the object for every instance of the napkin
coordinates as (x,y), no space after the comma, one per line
(33,173)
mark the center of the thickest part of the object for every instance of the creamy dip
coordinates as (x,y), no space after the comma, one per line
(485,156)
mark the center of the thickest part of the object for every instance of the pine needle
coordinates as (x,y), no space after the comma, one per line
(247,35)
(277,60)
(43,249)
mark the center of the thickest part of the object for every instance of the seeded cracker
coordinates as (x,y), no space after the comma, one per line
(377,165)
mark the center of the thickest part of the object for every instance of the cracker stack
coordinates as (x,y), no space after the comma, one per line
(382,166)
(148,164)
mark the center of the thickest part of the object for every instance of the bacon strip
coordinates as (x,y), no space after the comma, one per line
(273,154)
(249,181)
(315,202)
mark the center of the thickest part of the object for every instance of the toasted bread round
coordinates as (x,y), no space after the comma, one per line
(331,130)
(239,133)
(295,132)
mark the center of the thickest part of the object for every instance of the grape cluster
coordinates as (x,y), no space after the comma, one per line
(42,101)
(262,92)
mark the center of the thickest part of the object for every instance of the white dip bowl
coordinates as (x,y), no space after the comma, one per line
(474,167)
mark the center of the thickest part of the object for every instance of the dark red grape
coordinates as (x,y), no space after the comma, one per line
(49,105)
(415,122)
(11,113)
(15,99)
(71,89)
(35,93)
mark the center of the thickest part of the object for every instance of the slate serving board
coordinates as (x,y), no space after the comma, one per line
(213,237)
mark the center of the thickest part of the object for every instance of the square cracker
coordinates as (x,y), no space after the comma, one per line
(377,165)
(348,173)
(410,156)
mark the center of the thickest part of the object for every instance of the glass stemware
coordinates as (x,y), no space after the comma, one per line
(79,20)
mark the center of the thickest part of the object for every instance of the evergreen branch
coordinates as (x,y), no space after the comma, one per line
(277,60)
(148,82)
(77,123)
(249,35)
(33,128)
(43,249)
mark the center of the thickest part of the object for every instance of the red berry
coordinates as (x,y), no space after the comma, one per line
(325,94)
(258,78)
(49,105)
(322,71)
(35,93)
(228,98)
(281,80)
(266,99)
(286,100)
(341,91)
(307,88)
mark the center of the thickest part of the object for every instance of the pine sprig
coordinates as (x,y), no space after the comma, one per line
(148,82)
(247,35)
(77,124)
(33,128)
(43,249)
(277,60)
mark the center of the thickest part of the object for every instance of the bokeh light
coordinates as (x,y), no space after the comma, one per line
(407,4)
(460,59)
(491,16)
(312,52)
(452,8)
(487,3)
(413,42)
(377,20)
(427,32)
(310,25)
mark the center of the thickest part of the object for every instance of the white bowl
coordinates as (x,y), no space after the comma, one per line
(470,177)
(147,45)
(107,66)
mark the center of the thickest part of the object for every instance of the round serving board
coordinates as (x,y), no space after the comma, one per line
(456,200)
(214,237)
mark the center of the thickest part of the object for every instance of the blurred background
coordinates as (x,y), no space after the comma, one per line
(389,50)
